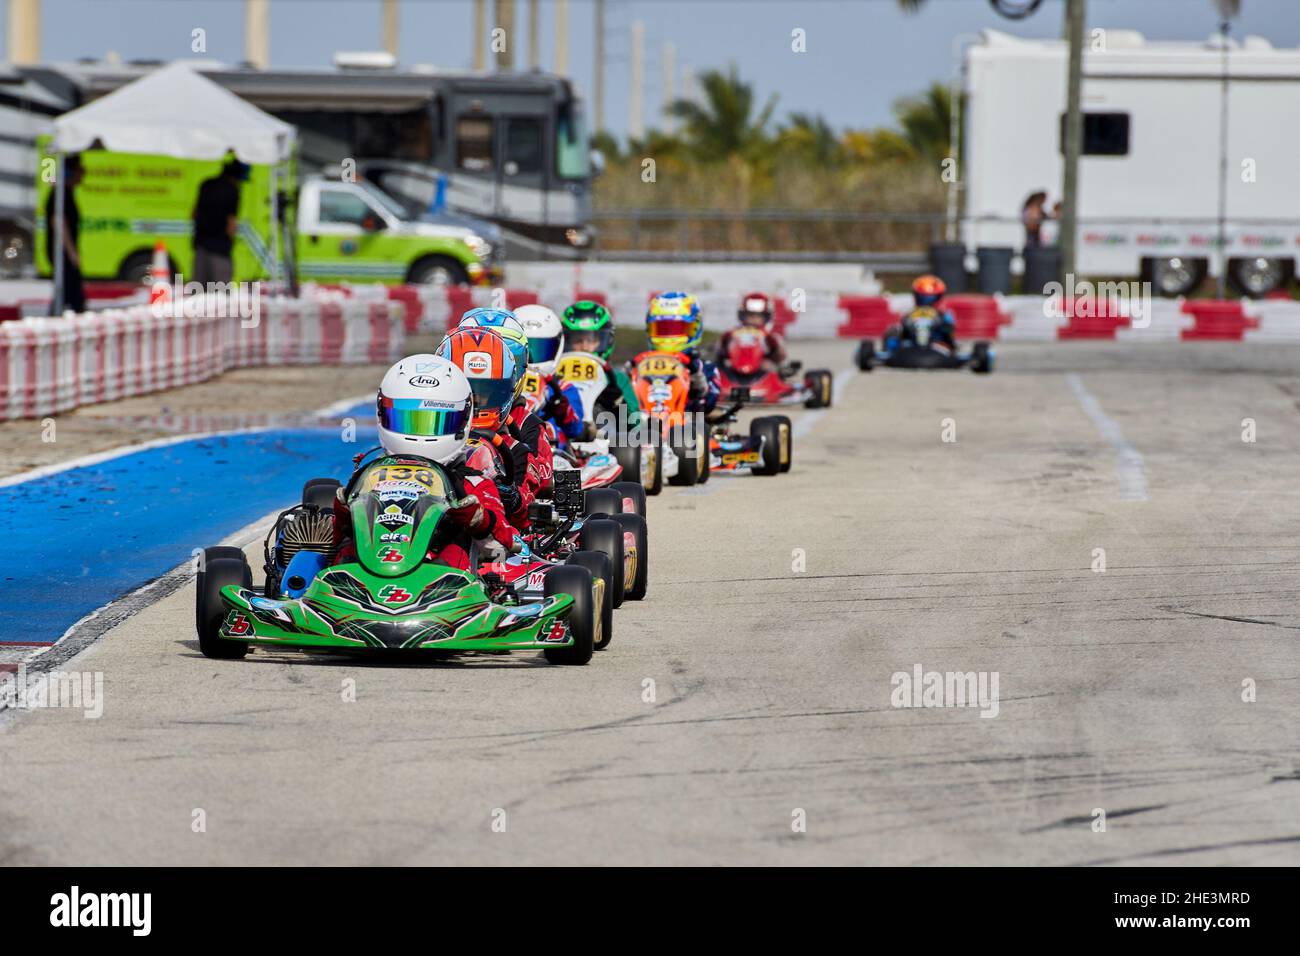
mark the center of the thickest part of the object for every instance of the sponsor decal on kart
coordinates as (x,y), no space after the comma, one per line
(390,555)
(393,594)
(558,634)
(395,536)
(237,624)
(536,580)
(394,515)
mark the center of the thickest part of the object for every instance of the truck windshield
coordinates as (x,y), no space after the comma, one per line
(384,201)
(572,151)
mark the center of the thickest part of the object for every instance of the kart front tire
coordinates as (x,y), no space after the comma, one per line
(656,471)
(637,527)
(787,441)
(820,383)
(211,611)
(630,460)
(597,564)
(212,554)
(606,535)
(633,491)
(865,355)
(981,360)
(576,582)
(769,429)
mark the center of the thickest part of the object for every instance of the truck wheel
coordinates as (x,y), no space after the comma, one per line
(136,268)
(1175,276)
(1259,276)
(437,270)
(575,582)
(597,564)
(211,611)
(633,492)
(606,535)
(769,429)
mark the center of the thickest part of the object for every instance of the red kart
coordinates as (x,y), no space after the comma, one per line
(745,365)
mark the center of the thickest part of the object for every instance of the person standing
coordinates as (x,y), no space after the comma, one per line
(74,293)
(1032,215)
(216,219)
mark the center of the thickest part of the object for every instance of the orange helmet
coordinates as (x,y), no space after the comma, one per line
(928,289)
(488,363)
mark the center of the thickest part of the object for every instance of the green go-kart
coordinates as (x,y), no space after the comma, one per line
(390,598)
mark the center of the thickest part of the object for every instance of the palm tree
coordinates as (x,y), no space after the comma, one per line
(926,121)
(723,124)
(812,138)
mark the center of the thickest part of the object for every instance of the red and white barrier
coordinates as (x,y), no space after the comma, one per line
(50,365)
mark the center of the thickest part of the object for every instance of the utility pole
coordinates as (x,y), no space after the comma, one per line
(635,116)
(1075,18)
(24,31)
(506,24)
(599,81)
(562,37)
(480,34)
(257,32)
(1227,10)
(390,27)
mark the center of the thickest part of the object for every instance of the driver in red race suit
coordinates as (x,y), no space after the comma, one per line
(927,292)
(424,409)
(756,310)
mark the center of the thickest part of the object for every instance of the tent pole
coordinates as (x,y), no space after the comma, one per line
(275,227)
(56,246)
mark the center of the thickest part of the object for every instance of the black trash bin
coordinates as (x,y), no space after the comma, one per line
(995,269)
(948,262)
(1042,267)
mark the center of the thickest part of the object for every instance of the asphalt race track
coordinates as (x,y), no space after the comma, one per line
(743,712)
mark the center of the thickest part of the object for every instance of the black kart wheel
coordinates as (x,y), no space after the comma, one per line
(769,429)
(636,527)
(656,485)
(633,494)
(602,501)
(821,384)
(216,573)
(597,564)
(866,355)
(787,441)
(576,582)
(981,360)
(606,535)
(629,458)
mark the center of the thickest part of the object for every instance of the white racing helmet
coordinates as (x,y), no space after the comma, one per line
(545,336)
(424,408)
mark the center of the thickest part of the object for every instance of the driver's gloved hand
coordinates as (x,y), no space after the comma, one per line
(510,498)
(519,462)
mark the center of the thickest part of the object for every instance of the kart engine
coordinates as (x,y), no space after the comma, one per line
(303,529)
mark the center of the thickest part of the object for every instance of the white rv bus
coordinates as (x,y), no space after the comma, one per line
(1150,170)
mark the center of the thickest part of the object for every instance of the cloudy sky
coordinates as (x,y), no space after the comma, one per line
(861,54)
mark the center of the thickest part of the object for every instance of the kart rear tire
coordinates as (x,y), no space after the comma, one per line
(597,563)
(981,360)
(787,442)
(769,429)
(706,461)
(601,501)
(606,535)
(211,611)
(320,492)
(821,383)
(865,356)
(630,460)
(636,525)
(634,491)
(576,582)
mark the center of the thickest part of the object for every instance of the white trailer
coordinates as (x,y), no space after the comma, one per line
(1150,175)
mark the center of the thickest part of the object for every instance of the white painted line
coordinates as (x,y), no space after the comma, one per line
(43,471)
(1128,460)
(806,422)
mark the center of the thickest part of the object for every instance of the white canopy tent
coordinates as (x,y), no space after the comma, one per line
(173,111)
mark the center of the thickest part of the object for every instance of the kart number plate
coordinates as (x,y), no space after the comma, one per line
(579,368)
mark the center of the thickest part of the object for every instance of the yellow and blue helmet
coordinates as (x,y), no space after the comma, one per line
(674,322)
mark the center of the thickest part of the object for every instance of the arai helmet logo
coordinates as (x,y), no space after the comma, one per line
(424,381)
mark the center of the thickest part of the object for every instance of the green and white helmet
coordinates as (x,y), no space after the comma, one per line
(588,327)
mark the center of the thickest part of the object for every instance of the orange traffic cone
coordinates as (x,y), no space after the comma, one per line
(160,289)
